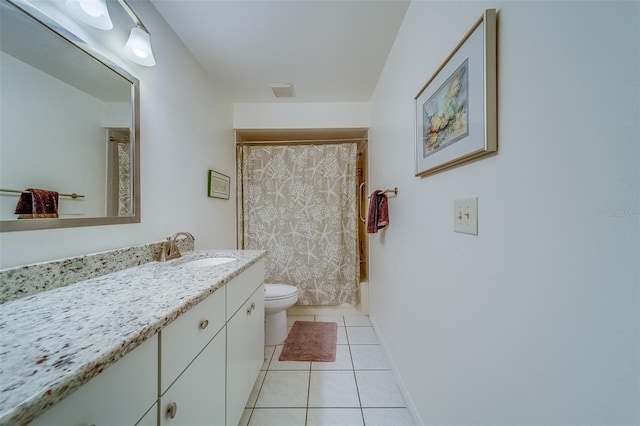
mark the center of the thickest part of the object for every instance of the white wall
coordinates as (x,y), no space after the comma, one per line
(336,115)
(535,320)
(116,114)
(186,129)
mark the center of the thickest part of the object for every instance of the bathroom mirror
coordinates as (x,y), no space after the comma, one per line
(68,123)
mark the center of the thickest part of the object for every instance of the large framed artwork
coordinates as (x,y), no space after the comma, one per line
(456,110)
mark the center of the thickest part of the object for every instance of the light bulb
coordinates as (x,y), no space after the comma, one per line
(139,53)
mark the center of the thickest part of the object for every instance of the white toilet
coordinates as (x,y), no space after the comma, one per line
(277,299)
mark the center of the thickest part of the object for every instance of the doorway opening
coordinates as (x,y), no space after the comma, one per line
(356,140)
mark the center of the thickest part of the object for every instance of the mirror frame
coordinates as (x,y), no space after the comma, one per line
(75,42)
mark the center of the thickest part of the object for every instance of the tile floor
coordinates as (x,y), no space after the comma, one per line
(357,389)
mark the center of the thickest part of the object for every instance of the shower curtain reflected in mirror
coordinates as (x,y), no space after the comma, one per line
(119,182)
(298,202)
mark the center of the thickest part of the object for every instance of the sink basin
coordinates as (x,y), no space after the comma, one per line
(207,261)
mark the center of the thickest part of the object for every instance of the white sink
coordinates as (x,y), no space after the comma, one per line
(207,261)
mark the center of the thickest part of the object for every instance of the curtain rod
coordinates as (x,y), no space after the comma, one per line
(303,141)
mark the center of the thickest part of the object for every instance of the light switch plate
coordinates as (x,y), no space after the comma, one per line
(465,215)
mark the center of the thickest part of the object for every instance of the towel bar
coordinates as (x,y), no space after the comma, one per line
(15,191)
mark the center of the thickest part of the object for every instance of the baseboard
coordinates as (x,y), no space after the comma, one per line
(403,389)
(345,310)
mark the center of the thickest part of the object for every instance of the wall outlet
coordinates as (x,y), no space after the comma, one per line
(465,216)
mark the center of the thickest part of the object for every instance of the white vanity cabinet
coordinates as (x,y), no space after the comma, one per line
(121,395)
(197,370)
(245,338)
(211,386)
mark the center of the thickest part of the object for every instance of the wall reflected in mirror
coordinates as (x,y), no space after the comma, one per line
(67,124)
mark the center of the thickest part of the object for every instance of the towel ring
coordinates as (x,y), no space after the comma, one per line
(361,198)
(387,191)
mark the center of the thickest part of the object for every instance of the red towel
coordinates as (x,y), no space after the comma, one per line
(378,217)
(37,203)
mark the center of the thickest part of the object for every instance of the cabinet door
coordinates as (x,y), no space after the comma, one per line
(238,361)
(245,353)
(120,395)
(257,335)
(197,397)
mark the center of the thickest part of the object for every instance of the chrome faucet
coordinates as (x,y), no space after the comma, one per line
(170,249)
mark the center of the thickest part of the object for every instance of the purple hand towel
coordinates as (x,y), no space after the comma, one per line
(378,216)
(37,203)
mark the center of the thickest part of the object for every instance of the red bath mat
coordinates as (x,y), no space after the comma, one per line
(311,341)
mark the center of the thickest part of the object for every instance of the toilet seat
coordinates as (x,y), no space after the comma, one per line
(279,291)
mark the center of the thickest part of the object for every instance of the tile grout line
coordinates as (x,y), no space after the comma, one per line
(353,366)
(253,409)
(306,412)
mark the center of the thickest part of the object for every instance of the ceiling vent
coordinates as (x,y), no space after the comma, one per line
(282,90)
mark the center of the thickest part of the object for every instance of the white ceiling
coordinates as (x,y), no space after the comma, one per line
(331,51)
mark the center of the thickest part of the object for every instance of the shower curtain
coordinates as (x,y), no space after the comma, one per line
(119,179)
(298,202)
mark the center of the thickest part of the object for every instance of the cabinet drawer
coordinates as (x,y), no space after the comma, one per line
(241,287)
(185,337)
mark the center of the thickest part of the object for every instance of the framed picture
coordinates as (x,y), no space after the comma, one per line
(456,110)
(219,185)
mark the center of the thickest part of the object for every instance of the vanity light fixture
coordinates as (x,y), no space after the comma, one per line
(92,12)
(138,47)
(96,14)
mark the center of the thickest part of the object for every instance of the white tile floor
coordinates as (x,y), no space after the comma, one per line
(357,389)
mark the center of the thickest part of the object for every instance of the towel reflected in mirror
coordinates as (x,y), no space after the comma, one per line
(37,204)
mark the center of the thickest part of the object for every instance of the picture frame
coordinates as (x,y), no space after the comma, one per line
(219,185)
(456,110)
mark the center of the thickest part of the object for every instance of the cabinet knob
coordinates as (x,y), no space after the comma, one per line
(253,305)
(172,410)
(249,310)
(204,324)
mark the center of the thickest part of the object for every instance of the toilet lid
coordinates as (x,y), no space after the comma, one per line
(279,291)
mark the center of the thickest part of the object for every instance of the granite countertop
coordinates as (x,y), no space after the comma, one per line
(53,342)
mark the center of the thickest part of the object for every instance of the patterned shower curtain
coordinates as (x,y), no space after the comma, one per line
(124,178)
(299,204)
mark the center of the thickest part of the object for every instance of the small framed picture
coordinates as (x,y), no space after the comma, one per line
(218,185)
